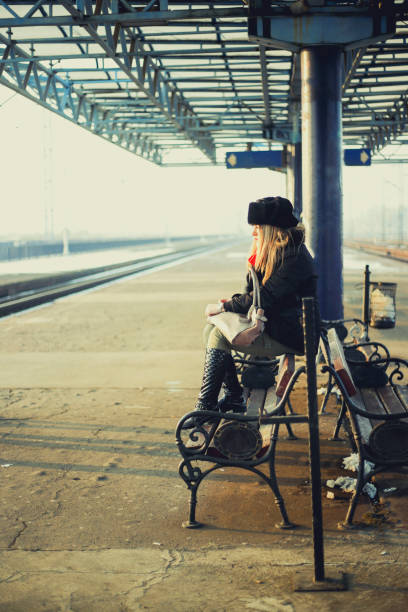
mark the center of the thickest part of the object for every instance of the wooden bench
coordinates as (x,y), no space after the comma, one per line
(238,439)
(376,418)
(356,345)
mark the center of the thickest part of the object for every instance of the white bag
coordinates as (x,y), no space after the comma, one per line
(241,329)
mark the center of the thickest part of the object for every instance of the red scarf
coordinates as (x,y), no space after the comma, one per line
(252,259)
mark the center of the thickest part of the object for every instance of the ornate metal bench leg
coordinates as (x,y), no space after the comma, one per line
(192,476)
(339,422)
(330,386)
(348,521)
(291,435)
(192,523)
(273,483)
(290,407)
(285,524)
(361,480)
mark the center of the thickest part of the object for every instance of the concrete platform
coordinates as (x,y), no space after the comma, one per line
(91,389)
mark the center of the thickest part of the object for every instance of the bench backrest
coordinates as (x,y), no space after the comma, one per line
(285,372)
(323,353)
(267,399)
(339,362)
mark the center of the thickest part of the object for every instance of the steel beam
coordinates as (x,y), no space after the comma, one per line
(267,123)
(294,150)
(130,19)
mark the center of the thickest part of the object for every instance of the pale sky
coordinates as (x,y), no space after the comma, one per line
(97,188)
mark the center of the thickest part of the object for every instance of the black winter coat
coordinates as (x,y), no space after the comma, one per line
(281,297)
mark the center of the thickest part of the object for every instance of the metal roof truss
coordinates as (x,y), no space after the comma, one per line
(180,82)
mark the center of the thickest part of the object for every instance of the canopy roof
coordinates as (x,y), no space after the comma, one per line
(178,82)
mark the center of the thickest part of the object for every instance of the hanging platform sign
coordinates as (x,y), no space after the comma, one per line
(254,159)
(357,157)
(279,134)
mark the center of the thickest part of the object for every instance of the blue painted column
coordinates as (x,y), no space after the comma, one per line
(321,78)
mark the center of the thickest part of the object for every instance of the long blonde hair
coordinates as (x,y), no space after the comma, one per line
(270,247)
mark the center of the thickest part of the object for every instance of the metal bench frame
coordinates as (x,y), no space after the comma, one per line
(373,432)
(197,445)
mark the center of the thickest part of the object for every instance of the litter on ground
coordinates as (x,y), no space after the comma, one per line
(348,484)
(390,490)
(351,463)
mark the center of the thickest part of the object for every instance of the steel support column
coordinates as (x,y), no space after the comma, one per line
(321,76)
(294,175)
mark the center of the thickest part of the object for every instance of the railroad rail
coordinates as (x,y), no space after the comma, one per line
(15,297)
(399,253)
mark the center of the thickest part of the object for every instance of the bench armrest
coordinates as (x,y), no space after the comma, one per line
(397,364)
(373,351)
(357,330)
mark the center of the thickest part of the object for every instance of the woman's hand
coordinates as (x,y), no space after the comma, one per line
(214,309)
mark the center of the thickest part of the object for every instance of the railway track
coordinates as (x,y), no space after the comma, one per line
(391,252)
(19,296)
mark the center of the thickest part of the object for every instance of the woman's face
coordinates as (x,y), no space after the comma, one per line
(256,232)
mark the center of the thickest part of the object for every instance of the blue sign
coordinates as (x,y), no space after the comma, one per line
(254,159)
(357,157)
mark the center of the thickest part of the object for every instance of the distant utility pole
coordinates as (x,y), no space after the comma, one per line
(48,179)
(398,233)
(401,218)
(65,241)
(382,215)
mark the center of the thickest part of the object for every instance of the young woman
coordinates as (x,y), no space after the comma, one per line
(286,274)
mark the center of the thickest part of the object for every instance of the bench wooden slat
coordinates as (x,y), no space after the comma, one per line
(340,363)
(363,423)
(270,403)
(402,391)
(270,400)
(265,400)
(391,400)
(255,402)
(324,351)
(286,370)
(372,403)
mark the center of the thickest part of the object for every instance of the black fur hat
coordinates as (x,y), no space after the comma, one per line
(275,211)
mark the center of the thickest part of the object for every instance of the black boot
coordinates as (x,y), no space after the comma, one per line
(233,398)
(214,373)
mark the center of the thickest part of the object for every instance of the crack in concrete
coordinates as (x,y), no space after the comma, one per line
(18,534)
(172,559)
(71,601)
(269,604)
(56,414)
(13,577)
(163,572)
